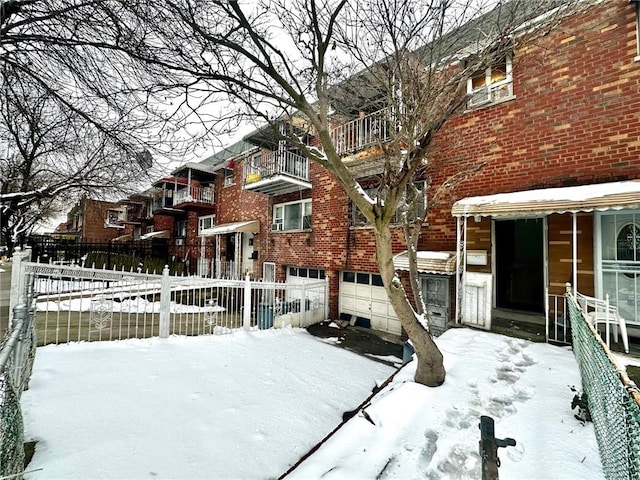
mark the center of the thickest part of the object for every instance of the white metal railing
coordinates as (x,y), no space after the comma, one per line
(83,304)
(557,319)
(277,163)
(362,132)
(194,195)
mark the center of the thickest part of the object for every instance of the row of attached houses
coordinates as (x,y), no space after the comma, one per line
(553,142)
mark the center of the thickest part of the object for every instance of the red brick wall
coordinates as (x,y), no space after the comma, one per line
(163,222)
(575,118)
(94,214)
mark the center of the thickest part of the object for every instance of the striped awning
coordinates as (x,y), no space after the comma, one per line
(156,234)
(583,198)
(248,226)
(428,262)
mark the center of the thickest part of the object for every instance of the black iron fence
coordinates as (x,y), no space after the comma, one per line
(149,255)
(143,256)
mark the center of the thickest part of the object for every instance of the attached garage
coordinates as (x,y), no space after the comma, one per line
(362,296)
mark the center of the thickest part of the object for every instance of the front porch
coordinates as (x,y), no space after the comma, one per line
(538,240)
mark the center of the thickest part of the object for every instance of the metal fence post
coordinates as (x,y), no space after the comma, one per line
(246,313)
(303,305)
(17,279)
(20,314)
(165,303)
(326,299)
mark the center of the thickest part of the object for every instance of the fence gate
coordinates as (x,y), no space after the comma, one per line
(476,299)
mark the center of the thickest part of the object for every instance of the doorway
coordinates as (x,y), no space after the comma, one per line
(519,260)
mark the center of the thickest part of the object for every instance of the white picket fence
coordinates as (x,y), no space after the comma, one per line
(82,304)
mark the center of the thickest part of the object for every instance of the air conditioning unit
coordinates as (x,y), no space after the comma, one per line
(179,241)
(480,97)
(276,227)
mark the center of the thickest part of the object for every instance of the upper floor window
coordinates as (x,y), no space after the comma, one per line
(292,216)
(491,85)
(228,177)
(206,221)
(114,216)
(181,228)
(413,203)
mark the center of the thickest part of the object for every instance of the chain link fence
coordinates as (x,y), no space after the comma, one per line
(17,354)
(613,400)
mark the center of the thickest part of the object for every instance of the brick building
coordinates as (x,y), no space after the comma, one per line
(93,221)
(563,113)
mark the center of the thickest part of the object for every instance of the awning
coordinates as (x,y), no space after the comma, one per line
(156,234)
(583,198)
(123,238)
(248,226)
(428,262)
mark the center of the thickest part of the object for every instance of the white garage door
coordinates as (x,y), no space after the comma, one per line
(303,275)
(362,295)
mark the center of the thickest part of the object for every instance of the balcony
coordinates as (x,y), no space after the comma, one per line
(362,133)
(193,196)
(277,173)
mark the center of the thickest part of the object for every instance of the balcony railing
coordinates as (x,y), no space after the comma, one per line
(278,163)
(194,195)
(363,132)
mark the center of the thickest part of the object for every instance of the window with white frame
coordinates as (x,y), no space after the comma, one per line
(206,221)
(115,215)
(491,85)
(413,202)
(618,261)
(228,177)
(292,216)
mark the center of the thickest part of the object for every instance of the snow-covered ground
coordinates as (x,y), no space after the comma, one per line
(249,405)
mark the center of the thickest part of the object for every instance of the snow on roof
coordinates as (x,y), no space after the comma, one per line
(583,198)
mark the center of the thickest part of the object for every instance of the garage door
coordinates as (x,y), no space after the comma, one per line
(303,275)
(362,295)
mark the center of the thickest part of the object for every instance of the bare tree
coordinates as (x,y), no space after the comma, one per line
(83,92)
(50,154)
(308,63)
(314,62)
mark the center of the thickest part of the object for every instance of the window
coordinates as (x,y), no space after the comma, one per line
(491,85)
(362,278)
(413,202)
(292,216)
(618,261)
(180,229)
(228,177)
(313,273)
(206,221)
(114,216)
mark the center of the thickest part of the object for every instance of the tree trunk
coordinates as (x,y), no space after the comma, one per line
(430,370)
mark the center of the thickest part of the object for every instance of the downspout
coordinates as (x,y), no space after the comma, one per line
(575,253)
